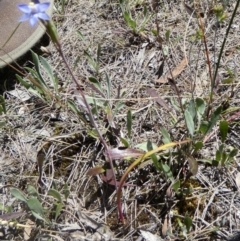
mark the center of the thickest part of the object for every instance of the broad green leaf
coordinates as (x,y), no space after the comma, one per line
(37,67)
(35,206)
(188,223)
(204,127)
(233,153)
(224,158)
(48,69)
(38,216)
(167,171)
(54,193)
(58,210)
(214,118)
(176,186)
(96,83)
(130,22)
(192,109)
(18,194)
(32,191)
(198,146)
(200,106)
(189,122)
(218,156)
(143,146)
(223,130)
(129,123)
(23,82)
(166,137)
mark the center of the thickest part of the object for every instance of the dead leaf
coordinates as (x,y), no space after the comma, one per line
(95,171)
(175,72)
(193,166)
(165,227)
(28,229)
(237,179)
(149,236)
(123,153)
(153,93)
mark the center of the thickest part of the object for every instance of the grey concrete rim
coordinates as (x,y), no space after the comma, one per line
(28,44)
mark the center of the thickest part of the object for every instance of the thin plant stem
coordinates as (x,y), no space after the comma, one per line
(58,47)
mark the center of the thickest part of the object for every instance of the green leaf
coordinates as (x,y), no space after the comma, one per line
(167,35)
(129,123)
(32,191)
(108,86)
(91,61)
(176,186)
(37,216)
(188,223)
(96,83)
(218,156)
(35,206)
(2,103)
(37,67)
(224,158)
(189,121)
(18,194)
(166,137)
(66,191)
(80,35)
(54,193)
(166,169)
(233,153)
(130,22)
(223,126)
(23,82)
(48,69)
(124,142)
(98,52)
(214,118)
(191,108)
(200,106)
(143,146)
(198,146)
(153,156)
(58,210)
(204,127)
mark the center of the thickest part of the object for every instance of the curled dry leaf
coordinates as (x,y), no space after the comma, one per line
(237,179)
(175,72)
(123,153)
(149,236)
(153,93)
(165,227)
(95,171)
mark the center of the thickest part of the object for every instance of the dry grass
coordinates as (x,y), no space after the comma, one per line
(210,198)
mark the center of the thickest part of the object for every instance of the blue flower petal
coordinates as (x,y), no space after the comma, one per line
(24,8)
(25,17)
(43,6)
(34,11)
(33,20)
(43,16)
